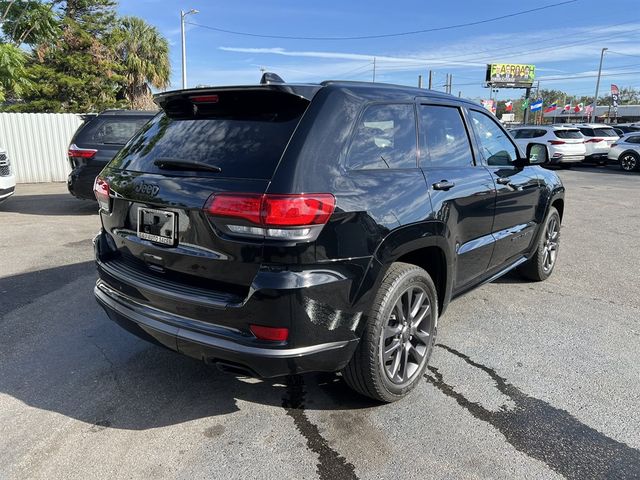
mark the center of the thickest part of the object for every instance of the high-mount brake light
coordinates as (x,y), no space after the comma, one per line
(77,152)
(204,98)
(102,192)
(272,216)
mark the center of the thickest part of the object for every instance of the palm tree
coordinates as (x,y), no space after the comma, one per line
(144,54)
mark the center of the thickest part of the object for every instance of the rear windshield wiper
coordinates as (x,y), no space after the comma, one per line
(188,165)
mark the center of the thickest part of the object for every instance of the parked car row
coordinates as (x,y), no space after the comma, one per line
(568,144)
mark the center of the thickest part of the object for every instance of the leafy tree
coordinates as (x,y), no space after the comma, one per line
(30,22)
(144,54)
(79,72)
(13,79)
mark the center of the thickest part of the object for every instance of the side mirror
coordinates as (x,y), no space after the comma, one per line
(537,154)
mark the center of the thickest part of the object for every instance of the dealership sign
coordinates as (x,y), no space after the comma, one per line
(513,75)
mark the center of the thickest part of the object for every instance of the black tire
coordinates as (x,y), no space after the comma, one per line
(370,371)
(540,266)
(629,161)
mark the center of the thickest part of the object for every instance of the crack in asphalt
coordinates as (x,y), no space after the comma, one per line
(331,465)
(546,433)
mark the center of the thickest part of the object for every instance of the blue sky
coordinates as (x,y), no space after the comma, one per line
(564,42)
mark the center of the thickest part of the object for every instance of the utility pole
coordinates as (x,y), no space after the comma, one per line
(184,48)
(374,69)
(450,83)
(430,79)
(527,94)
(419,81)
(595,97)
(459,93)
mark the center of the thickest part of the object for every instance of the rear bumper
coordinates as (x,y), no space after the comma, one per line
(6,192)
(315,304)
(80,181)
(220,345)
(567,159)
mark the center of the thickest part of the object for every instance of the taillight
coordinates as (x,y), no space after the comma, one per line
(557,142)
(281,217)
(101,190)
(273,334)
(594,140)
(75,151)
(614,144)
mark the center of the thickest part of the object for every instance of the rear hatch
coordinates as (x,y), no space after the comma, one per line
(217,141)
(569,141)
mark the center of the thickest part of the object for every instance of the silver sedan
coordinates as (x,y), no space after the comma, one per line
(626,151)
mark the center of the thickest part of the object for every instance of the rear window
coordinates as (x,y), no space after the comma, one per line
(568,133)
(587,132)
(111,130)
(244,136)
(605,132)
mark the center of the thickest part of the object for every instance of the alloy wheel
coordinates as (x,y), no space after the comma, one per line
(405,339)
(551,242)
(628,162)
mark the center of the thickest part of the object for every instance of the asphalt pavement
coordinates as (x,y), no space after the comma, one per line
(528,380)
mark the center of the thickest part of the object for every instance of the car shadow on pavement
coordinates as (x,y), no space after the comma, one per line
(53,204)
(61,353)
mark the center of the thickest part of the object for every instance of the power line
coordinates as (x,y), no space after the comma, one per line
(386,35)
(624,54)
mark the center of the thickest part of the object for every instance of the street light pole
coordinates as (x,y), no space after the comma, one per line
(595,98)
(184,48)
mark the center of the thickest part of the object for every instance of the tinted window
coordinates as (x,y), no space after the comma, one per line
(112,130)
(496,147)
(524,133)
(245,148)
(444,137)
(385,138)
(568,133)
(605,132)
(587,132)
(538,133)
(633,139)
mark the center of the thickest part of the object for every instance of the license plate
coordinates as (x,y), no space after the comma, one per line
(157,225)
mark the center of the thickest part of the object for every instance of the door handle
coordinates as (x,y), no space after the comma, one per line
(503,180)
(443,185)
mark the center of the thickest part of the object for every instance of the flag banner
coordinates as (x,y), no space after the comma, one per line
(489,105)
(508,106)
(615,95)
(567,108)
(537,105)
(579,107)
(588,109)
(525,104)
(551,107)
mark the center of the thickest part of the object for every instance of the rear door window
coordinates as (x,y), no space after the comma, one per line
(385,137)
(587,132)
(575,134)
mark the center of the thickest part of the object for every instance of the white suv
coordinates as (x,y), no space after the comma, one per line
(564,143)
(598,139)
(7,179)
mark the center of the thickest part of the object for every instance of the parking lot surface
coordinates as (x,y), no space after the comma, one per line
(529,380)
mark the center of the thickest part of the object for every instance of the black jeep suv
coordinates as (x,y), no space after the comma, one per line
(96,142)
(280,228)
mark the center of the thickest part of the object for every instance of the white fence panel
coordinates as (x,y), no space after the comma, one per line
(37,144)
